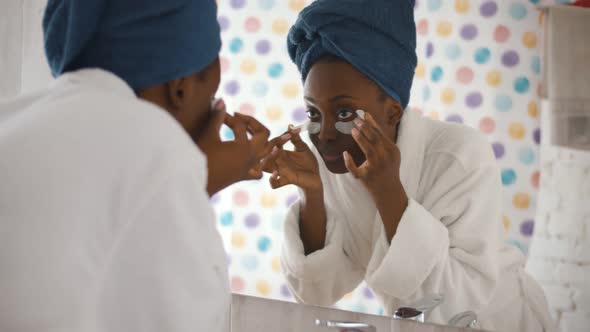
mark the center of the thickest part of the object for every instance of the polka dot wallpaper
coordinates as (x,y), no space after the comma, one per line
(479,64)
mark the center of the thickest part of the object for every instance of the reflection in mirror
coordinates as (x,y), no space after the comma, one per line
(438,211)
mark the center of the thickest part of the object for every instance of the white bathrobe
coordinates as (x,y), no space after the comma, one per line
(449,239)
(105,223)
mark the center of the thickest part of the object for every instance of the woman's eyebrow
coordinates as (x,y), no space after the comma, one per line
(339,97)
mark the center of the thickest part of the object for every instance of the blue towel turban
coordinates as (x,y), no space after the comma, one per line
(377,37)
(144,42)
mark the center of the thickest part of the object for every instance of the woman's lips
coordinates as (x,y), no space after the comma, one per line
(332,156)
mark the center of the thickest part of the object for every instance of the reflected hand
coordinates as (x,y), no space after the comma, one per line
(236,160)
(380,171)
(299,167)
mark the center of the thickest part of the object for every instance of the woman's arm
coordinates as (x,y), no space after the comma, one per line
(448,244)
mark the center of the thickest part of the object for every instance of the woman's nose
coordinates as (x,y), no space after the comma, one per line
(328,131)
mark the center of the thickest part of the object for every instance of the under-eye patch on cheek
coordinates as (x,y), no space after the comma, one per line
(346,127)
(343,127)
(311,127)
(314,128)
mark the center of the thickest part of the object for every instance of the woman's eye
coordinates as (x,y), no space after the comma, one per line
(313,114)
(345,115)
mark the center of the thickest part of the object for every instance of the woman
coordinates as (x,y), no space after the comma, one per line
(410,205)
(105,217)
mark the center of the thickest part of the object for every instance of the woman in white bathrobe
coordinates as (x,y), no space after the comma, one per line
(408,204)
(105,176)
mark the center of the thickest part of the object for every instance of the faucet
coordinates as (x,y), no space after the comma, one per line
(464,319)
(346,326)
(417,311)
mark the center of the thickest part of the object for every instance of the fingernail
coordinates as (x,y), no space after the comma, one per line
(275,150)
(274,174)
(361,114)
(355,132)
(296,131)
(358,122)
(219,105)
(285,137)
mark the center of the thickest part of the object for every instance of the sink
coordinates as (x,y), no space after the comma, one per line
(254,314)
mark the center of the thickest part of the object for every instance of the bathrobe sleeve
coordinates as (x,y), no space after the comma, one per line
(447,244)
(168,271)
(324,276)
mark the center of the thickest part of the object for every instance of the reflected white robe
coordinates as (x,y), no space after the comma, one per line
(105,223)
(449,240)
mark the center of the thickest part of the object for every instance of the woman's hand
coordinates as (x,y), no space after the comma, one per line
(237,160)
(298,167)
(380,172)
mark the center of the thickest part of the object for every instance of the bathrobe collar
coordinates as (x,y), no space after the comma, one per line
(97,78)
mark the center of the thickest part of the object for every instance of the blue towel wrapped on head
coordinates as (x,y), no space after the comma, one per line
(144,42)
(377,37)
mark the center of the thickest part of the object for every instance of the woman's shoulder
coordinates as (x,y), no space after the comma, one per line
(460,142)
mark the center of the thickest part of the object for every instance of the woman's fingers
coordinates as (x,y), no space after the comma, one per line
(286,171)
(254,126)
(351,165)
(210,135)
(255,173)
(269,164)
(216,120)
(260,135)
(379,134)
(277,181)
(238,127)
(298,143)
(367,130)
(283,177)
(279,141)
(367,147)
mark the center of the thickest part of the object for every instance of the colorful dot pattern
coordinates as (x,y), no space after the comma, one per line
(479,64)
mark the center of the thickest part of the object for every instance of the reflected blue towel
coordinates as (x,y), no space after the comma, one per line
(377,37)
(144,42)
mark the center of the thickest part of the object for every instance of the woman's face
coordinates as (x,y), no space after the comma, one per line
(189,98)
(334,90)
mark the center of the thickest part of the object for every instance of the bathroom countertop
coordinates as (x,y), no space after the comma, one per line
(253,314)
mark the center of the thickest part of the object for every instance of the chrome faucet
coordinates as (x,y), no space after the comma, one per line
(417,311)
(464,319)
(346,326)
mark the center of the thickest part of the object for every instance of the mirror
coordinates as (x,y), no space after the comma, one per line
(479,65)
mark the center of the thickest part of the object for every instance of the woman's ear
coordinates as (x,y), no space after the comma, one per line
(394,112)
(176,93)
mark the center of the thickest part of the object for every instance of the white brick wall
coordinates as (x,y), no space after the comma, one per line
(560,250)
(575,322)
